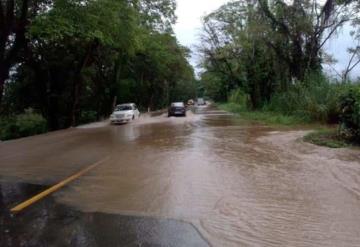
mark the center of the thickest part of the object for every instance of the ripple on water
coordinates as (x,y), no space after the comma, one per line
(250,222)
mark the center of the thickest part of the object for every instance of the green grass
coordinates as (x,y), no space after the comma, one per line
(323,136)
(268,117)
(326,137)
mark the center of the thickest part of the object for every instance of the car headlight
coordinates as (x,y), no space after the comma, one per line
(112,116)
(128,115)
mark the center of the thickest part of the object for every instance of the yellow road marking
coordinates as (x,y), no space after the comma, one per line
(54,188)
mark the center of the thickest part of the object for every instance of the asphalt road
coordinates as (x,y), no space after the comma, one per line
(209,179)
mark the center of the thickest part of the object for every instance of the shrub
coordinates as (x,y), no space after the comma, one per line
(326,137)
(312,101)
(8,128)
(239,98)
(88,117)
(26,124)
(350,114)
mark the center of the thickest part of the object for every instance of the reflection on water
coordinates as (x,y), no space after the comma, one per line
(240,184)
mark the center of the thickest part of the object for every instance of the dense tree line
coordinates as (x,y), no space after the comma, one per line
(71,60)
(266,47)
(266,58)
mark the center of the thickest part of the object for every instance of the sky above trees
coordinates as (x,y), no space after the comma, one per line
(188,26)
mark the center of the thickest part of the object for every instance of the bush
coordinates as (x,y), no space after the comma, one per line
(326,137)
(26,124)
(88,117)
(312,101)
(268,117)
(350,114)
(8,128)
(239,98)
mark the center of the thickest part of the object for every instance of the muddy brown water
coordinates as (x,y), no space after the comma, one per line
(239,184)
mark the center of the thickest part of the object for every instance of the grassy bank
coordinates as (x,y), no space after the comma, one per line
(267,117)
(328,138)
(322,135)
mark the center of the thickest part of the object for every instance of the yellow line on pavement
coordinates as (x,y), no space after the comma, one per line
(54,188)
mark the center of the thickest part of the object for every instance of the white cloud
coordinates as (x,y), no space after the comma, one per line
(189,12)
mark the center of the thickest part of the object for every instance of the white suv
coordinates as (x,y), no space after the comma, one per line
(125,113)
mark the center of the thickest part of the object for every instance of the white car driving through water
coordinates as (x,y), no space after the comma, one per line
(124,113)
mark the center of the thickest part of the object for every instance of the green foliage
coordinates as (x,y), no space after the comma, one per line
(328,138)
(214,86)
(350,114)
(88,117)
(183,91)
(238,97)
(89,21)
(316,99)
(232,107)
(265,58)
(265,47)
(81,55)
(26,124)
(268,117)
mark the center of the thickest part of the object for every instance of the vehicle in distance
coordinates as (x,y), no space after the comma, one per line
(177,109)
(201,101)
(124,113)
(190,102)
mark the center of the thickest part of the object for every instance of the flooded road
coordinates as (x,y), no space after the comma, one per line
(209,179)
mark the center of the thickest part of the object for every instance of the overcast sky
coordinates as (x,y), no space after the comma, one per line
(189,13)
(188,26)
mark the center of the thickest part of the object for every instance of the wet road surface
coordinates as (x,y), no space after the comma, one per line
(209,178)
(52,224)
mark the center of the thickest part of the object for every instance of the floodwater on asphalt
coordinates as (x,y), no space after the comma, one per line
(53,224)
(237,183)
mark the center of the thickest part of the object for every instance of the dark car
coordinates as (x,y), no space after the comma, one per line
(177,109)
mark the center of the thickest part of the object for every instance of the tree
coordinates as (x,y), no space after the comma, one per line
(158,68)
(157,15)
(15,16)
(81,55)
(354,51)
(306,26)
(264,47)
(234,51)
(91,26)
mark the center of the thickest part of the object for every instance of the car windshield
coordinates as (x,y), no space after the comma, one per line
(123,108)
(178,104)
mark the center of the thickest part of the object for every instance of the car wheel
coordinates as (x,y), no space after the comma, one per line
(133,117)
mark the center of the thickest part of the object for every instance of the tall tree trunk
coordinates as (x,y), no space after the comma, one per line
(77,85)
(12,27)
(76,93)
(3,77)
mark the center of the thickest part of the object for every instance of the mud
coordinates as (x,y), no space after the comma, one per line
(239,184)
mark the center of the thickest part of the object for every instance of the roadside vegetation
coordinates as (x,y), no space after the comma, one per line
(71,61)
(265,61)
(327,137)
(268,117)
(22,125)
